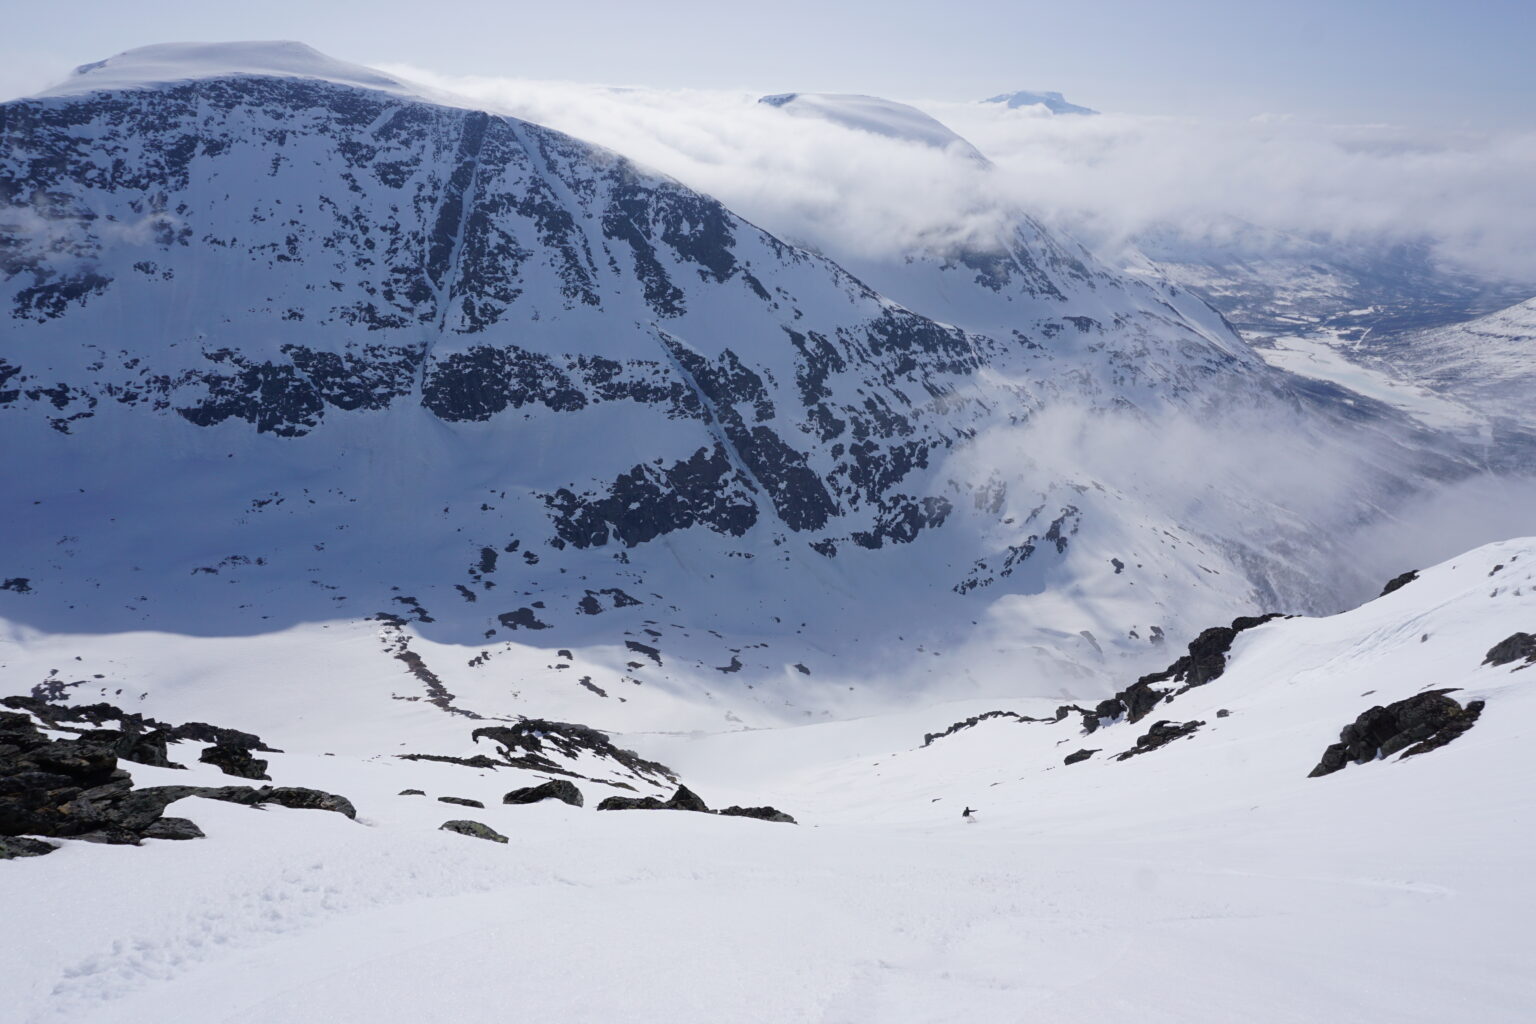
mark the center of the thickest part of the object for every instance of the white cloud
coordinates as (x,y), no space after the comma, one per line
(1103,178)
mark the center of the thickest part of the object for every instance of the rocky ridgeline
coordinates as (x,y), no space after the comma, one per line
(540,745)
(1206,660)
(1415,725)
(73,788)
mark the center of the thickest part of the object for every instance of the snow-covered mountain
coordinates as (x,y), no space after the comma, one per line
(1055,102)
(877,116)
(294,350)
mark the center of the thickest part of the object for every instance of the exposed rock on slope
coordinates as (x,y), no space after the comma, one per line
(555,789)
(1418,724)
(73,788)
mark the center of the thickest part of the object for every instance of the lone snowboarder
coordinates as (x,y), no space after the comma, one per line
(967,814)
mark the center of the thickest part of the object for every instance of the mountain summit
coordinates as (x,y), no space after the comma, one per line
(171,63)
(1055,102)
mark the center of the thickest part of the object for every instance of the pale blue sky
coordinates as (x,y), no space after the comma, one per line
(1426,62)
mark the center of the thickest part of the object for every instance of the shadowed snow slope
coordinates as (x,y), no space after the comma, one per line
(1209,880)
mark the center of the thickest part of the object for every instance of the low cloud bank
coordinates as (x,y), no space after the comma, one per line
(1253,184)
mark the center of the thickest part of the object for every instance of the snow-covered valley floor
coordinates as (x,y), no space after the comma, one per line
(1208,880)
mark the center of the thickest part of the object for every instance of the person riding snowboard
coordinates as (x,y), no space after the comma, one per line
(967,814)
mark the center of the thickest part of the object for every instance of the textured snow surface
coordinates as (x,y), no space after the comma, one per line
(1209,881)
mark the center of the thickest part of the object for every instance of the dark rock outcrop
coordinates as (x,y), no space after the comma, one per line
(1416,725)
(172,828)
(760,813)
(528,745)
(236,761)
(1513,648)
(684,799)
(12,847)
(1161,734)
(64,716)
(301,799)
(477,761)
(631,803)
(461,801)
(1206,660)
(73,788)
(555,789)
(475,829)
(412,792)
(974,720)
(1080,755)
(1399,582)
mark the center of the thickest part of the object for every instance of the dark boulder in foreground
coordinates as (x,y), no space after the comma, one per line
(172,828)
(235,760)
(1081,755)
(1160,735)
(465,827)
(1513,648)
(12,847)
(1416,725)
(555,789)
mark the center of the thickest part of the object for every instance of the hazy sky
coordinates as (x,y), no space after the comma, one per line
(1415,62)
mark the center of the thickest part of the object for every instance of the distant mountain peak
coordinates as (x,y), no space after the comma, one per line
(875,115)
(169,63)
(1055,102)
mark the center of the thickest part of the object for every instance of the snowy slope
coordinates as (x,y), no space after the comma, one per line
(1489,362)
(1206,881)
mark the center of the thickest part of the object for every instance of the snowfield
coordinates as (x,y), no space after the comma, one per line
(1209,880)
